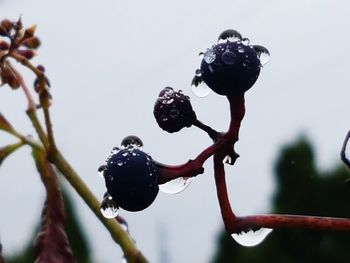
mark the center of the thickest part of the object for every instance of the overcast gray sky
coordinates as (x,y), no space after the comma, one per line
(107,61)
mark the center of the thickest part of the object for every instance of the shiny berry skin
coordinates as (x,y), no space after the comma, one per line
(230,68)
(131,180)
(173,110)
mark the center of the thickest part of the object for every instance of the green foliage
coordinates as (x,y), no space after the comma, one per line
(300,189)
(74,231)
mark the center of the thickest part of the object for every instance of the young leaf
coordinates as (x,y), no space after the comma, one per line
(7,150)
(52,244)
(1,258)
(4,124)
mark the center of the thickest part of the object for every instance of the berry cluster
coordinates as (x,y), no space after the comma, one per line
(229,68)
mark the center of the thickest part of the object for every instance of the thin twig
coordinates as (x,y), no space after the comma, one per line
(343,150)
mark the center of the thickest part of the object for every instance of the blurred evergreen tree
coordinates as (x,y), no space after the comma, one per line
(75,233)
(300,189)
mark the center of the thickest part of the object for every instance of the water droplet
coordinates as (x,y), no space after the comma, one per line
(101,170)
(241,49)
(174,113)
(199,88)
(163,117)
(125,154)
(120,163)
(230,35)
(246,41)
(109,208)
(198,72)
(209,56)
(227,159)
(263,54)
(246,63)
(132,141)
(115,150)
(176,186)
(228,57)
(251,238)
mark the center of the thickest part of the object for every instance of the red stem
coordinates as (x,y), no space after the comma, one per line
(225,144)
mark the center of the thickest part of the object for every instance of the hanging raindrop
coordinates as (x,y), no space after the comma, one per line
(230,35)
(199,88)
(101,170)
(263,54)
(176,186)
(252,238)
(109,208)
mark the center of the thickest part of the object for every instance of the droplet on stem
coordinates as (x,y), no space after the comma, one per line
(176,186)
(251,238)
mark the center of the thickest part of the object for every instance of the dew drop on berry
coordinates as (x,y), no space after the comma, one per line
(198,72)
(174,113)
(115,150)
(132,141)
(163,117)
(101,170)
(229,57)
(120,163)
(199,88)
(245,41)
(263,54)
(209,56)
(109,208)
(251,238)
(230,35)
(176,186)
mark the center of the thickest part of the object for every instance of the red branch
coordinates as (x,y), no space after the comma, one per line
(224,144)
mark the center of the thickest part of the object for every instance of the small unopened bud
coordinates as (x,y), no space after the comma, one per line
(41,68)
(32,42)
(4,45)
(3,32)
(7,25)
(30,31)
(9,77)
(20,35)
(27,53)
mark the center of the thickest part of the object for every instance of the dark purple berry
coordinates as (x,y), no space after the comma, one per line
(230,68)
(130,177)
(173,110)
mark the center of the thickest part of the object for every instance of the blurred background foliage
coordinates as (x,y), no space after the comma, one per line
(300,189)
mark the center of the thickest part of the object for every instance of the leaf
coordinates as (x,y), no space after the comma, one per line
(51,244)
(1,258)
(4,124)
(7,150)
